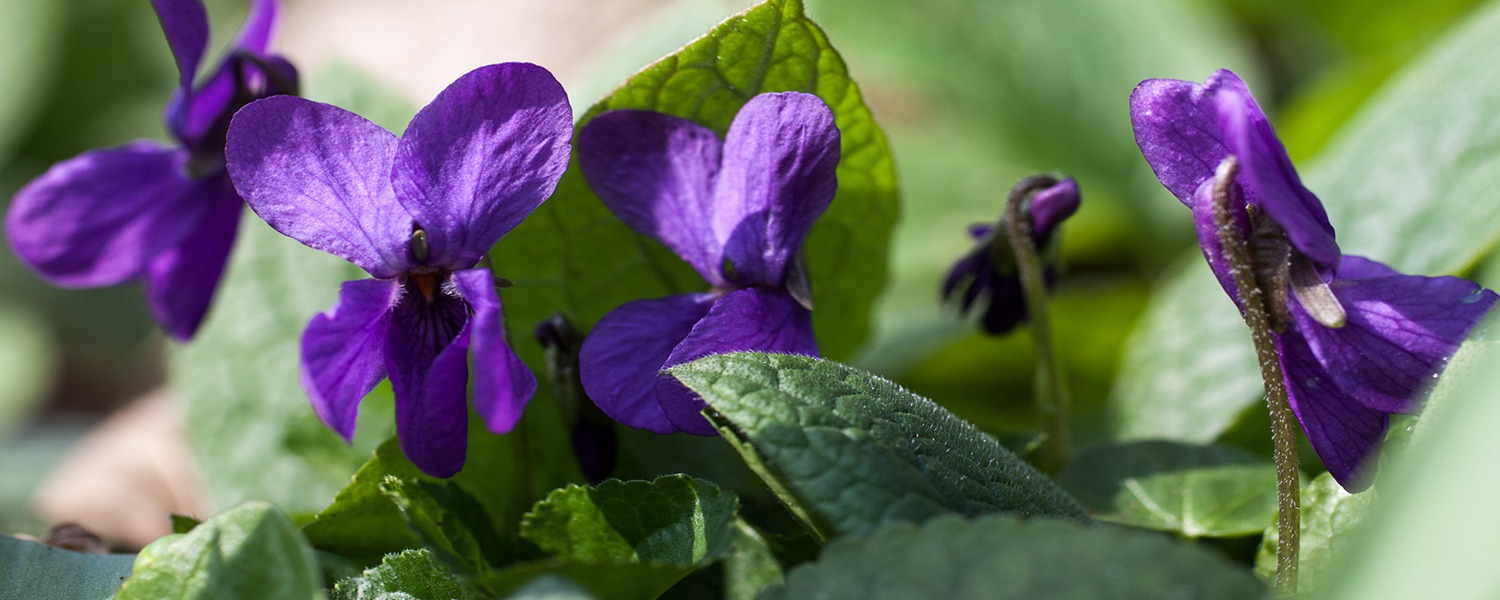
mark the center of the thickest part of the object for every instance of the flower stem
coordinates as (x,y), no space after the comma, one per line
(1051,386)
(1283,425)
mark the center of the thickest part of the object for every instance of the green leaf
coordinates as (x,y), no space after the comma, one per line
(31,31)
(1433,528)
(751,566)
(1189,369)
(35,570)
(28,363)
(251,427)
(573,255)
(675,520)
(1197,491)
(1000,557)
(625,539)
(502,478)
(1401,182)
(1330,517)
(450,522)
(250,551)
(410,575)
(849,452)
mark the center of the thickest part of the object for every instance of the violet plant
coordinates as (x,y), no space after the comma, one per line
(417,213)
(737,210)
(667,259)
(146,211)
(1343,341)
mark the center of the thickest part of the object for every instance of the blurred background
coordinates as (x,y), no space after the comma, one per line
(973,94)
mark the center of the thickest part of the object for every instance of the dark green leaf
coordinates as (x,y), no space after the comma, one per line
(450,522)
(41,572)
(410,575)
(1330,517)
(1197,491)
(251,426)
(673,520)
(573,255)
(251,551)
(849,452)
(502,478)
(1000,557)
(620,539)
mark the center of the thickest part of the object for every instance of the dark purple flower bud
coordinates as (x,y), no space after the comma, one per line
(595,443)
(148,211)
(1356,340)
(737,209)
(987,276)
(417,213)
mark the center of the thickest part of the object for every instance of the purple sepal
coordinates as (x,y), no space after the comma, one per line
(101,217)
(656,172)
(481,156)
(750,319)
(180,282)
(322,175)
(628,347)
(343,351)
(185,24)
(502,383)
(778,176)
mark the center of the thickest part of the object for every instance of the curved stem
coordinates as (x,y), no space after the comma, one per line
(1283,422)
(1051,387)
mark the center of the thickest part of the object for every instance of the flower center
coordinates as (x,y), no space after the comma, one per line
(427,280)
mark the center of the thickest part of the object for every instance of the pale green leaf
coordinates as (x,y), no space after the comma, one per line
(37,571)
(251,551)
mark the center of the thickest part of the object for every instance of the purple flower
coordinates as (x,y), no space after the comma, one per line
(989,270)
(1357,341)
(163,214)
(737,210)
(417,213)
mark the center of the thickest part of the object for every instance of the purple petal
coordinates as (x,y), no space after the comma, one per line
(1400,332)
(434,428)
(1178,133)
(1266,169)
(1050,207)
(502,383)
(484,154)
(778,177)
(98,218)
(751,319)
(1343,432)
(426,350)
(180,282)
(343,351)
(656,172)
(620,358)
(321,175)
(186,26)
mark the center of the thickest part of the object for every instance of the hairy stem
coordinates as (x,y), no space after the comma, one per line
(1051,387)
(1283,424)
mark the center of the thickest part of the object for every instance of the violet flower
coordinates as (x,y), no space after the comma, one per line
(737,210)
(1357,341)
(989,270)
(162,214)
(417,213)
